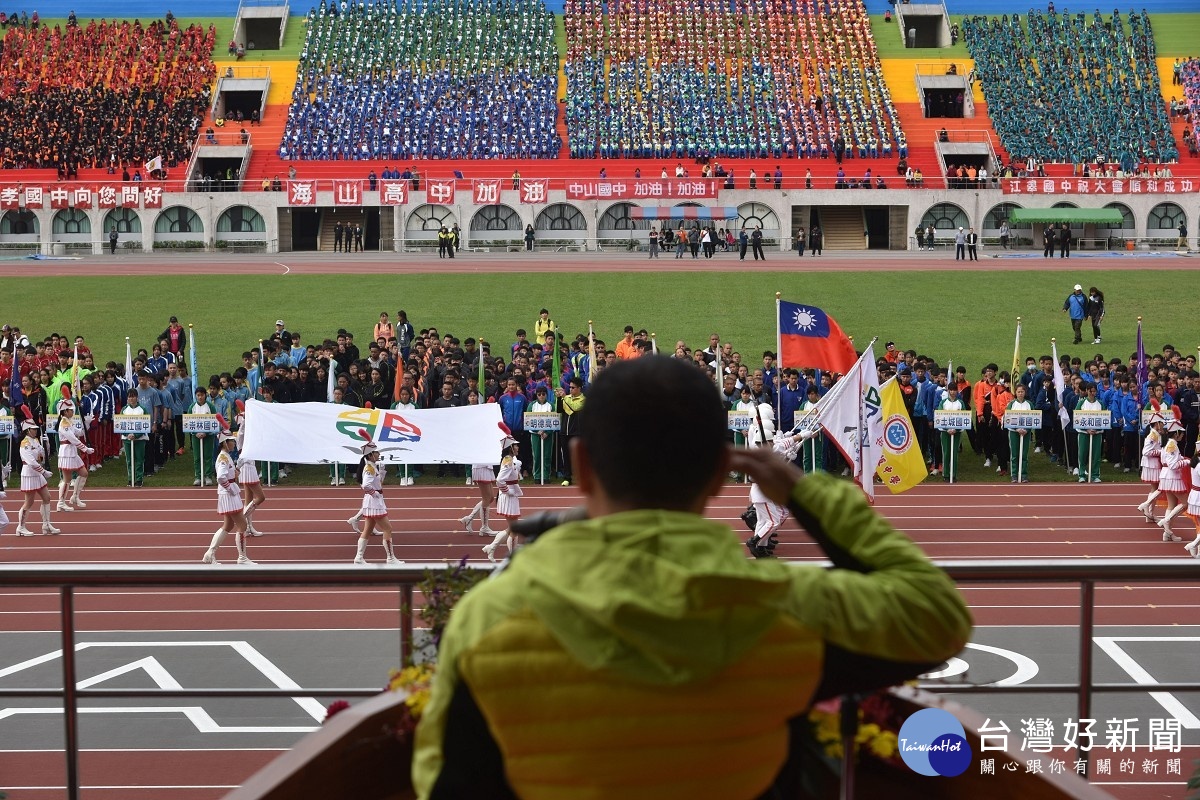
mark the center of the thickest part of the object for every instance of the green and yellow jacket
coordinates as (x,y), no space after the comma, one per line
(643,656)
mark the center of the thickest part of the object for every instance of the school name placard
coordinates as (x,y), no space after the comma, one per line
(201,423)
(1023,420)
(539,421)
(8,425)
(1093,420)
(131,424)
(947,420)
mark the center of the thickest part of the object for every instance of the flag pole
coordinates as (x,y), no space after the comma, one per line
(778,366)
(953,435)
(262,359)
(128,385)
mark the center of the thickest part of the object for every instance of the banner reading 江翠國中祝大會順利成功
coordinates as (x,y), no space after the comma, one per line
(324,433)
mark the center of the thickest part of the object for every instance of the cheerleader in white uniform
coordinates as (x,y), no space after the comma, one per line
(71,442)
(374,510)
(770,516)
(33,477)
(252,493)
(508,504)
(1193,509)
(229,502)
(1170,479)
(1152,465)
(485,479)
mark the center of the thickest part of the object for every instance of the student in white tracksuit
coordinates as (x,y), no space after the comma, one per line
(772,515)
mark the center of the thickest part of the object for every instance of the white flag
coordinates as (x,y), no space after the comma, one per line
(838,412)
(323,433)
(872,419)
(153,165)
(1060,386)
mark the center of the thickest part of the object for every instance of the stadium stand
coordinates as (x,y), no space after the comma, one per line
(1063,88)
(1189,75)
(109,95)
(791,78)
(426,79)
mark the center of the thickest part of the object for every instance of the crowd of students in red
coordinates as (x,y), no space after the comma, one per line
(105,95)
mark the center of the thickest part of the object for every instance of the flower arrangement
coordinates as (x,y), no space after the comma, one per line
(442,589)
(878,724)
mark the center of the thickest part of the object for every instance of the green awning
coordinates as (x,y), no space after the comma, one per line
(1098,216)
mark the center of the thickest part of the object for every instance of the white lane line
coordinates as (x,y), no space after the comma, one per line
(1143,678)
(286,268)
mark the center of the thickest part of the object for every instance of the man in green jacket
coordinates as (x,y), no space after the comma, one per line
(638,654)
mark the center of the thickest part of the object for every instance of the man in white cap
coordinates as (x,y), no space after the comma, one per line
(229,501)
(1076,306)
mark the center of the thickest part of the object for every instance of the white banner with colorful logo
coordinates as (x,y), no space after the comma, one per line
(325,433)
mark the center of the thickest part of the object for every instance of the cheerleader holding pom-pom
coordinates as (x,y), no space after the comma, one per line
(508,502)
(374,511)
(71,444)
(1152,465)
(33,477)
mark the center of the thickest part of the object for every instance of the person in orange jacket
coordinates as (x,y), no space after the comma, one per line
(988,401)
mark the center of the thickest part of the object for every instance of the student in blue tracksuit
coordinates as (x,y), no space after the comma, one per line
(1126,407)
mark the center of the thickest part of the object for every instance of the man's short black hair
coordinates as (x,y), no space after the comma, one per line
(661,454)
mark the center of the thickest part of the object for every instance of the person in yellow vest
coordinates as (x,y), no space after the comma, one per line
(1019,439)
(951,439)
(594,664)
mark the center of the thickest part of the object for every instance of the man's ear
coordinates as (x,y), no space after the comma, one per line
(581,467)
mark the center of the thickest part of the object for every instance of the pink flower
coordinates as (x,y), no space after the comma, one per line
(831,706)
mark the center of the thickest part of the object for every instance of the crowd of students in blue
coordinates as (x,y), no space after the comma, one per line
(653,79)
(1066,88)
(425,79)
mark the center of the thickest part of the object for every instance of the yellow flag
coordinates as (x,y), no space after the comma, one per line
(902,466)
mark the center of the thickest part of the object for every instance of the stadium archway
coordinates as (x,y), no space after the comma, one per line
(1165,217)
(241,224)
(179,224)
(125,219)
(72,225)
(559,221)
(19,226)
(496,222)
(425,221)
(617,223)
(560,217)
(1001,212)
(751,215)
(1127,229)
(945,217)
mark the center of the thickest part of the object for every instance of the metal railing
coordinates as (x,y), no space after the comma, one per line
(67,579)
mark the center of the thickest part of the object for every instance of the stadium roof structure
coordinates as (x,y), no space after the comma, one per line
(1094,215)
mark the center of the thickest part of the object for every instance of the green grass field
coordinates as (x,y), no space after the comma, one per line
(968,317)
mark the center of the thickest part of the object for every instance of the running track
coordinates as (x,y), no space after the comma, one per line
(306,263)
(969,521)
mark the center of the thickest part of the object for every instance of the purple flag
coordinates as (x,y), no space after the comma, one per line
(1143,373)
(14,385)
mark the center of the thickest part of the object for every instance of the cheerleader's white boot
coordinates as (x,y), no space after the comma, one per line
(1193,546)
(80,482)
(21,529)
(62,497)
(391,557)
(47,528)
(362,548)
(249,515)
(240,541)
(210,555)
(1165,524)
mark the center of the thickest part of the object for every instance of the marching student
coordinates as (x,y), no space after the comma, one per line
(33,477)
(374,510)
(1090,444)
(769,515)
(951,443)
(508,503)
(253,496)
(1152,465)
(229,502)
(1018,440)
(1170,479)
(70,444)
(1193,509)
(204,447)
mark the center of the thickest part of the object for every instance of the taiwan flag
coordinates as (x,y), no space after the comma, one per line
(808,337)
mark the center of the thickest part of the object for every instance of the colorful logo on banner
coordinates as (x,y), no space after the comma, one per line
(384,427)
(898,434)
(933,742)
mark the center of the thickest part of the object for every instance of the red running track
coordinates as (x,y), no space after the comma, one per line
(305,525)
